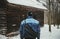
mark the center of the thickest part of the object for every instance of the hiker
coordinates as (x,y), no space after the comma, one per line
(34,26)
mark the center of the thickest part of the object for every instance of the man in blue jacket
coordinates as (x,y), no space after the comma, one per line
(33,23)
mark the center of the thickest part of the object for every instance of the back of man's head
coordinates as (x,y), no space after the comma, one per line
(29,13)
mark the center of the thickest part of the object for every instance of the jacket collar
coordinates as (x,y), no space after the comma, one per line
(29,17)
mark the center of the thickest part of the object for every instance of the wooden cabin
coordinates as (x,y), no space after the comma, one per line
(15,13)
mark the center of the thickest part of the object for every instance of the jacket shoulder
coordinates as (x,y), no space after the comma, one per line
(36,21)
(22,22)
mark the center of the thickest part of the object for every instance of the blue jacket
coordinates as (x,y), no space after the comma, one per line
(32,22)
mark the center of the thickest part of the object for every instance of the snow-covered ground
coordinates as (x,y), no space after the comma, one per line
(45,34)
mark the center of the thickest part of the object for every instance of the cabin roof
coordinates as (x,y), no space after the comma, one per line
(31,3)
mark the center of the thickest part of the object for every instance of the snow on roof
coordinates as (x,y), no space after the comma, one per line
(43,2)
(31,3)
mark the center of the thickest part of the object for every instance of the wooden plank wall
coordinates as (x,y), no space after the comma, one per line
(13,15)
(16,13)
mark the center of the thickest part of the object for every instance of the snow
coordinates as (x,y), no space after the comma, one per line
(43,2)
(45,34)
(3,37)
(31,3)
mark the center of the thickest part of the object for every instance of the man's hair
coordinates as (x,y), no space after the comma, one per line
(29,13)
